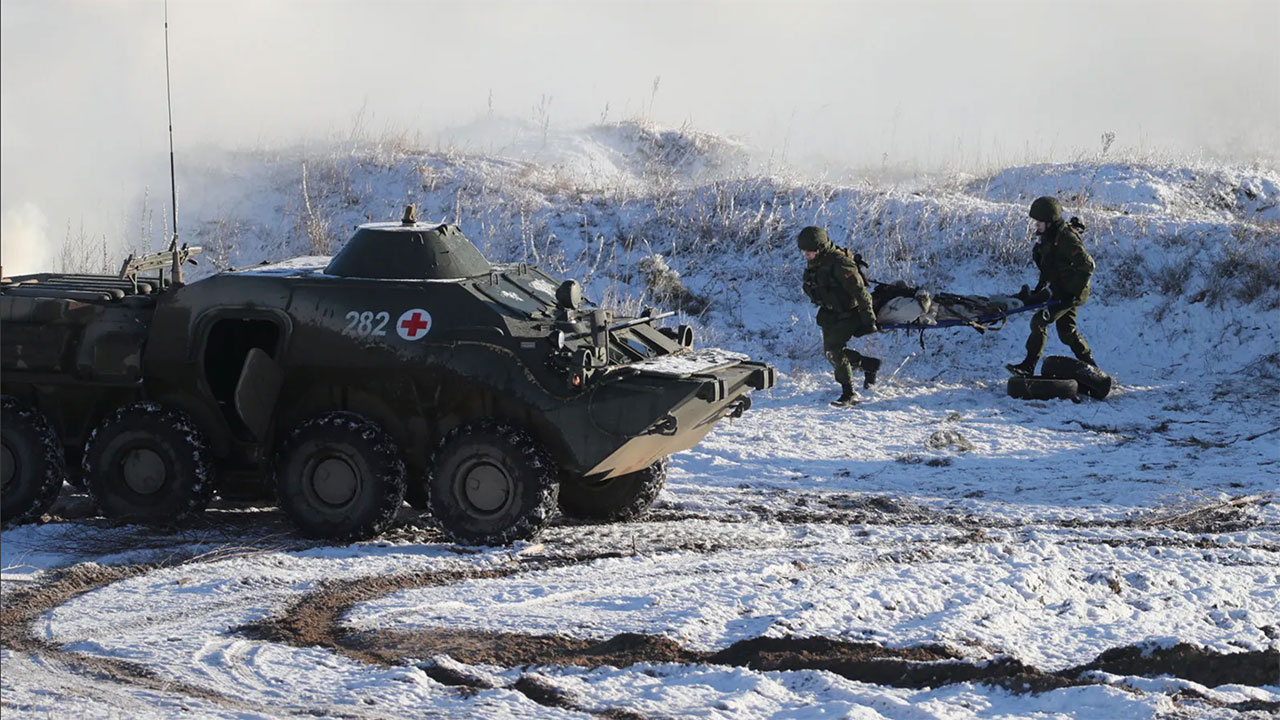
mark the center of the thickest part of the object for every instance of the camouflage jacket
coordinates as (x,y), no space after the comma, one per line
(1065,266)
(834,283)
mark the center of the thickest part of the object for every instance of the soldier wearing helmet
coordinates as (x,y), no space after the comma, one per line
(1065,268)
(834,282)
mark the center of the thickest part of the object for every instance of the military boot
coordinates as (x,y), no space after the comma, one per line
(870,366)
(1026,368)
(847,397)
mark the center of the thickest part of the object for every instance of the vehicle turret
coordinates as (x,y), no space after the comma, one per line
(408,250)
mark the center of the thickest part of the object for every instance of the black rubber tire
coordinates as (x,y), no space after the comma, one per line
(1040,388)
(339,476)
(148,463)
(34,466)
(619,499)
(1095,383)
(521,484)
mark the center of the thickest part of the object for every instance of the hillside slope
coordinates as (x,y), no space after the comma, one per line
(685,221)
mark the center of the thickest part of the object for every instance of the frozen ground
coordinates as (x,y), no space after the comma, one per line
(939,551)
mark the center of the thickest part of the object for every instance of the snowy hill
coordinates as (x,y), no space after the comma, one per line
(602,204)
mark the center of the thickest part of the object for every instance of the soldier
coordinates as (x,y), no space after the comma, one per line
(834,283)
(1065,267)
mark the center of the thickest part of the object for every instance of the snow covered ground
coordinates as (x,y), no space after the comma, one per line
(939,551)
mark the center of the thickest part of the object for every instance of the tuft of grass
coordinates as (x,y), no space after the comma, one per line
(1246,271)
(1129,275)
(948,438)
(665,286)
(1171,277)
(81,253)
(314,224)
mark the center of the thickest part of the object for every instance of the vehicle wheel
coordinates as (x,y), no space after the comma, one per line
(491,484)
(617,499)
(1040,388)
(1095,383)
(32,466)
(148,463)
(340,477)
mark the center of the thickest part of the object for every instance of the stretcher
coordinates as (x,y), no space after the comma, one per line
(946,310)
(981,323)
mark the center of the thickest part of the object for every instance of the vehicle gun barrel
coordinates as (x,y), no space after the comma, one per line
(640,321)
(626,324)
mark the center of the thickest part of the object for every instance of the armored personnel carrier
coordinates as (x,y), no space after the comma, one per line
(405,367)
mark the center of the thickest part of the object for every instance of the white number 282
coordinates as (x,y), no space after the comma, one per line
(366,323)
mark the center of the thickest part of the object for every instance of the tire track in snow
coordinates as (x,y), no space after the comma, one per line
(316,619)
(869,662)
(21,608)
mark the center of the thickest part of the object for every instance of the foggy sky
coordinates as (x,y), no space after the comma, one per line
(925,85)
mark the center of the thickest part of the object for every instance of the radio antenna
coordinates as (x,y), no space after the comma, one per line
(173,182)
(176,267)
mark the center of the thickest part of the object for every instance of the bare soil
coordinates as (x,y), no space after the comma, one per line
(1261,667)
(788,508)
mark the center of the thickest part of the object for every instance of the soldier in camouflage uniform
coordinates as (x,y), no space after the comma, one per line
(834,283)
(1065,268)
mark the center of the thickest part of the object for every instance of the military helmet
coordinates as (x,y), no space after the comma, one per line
(813,238)
(1046,209)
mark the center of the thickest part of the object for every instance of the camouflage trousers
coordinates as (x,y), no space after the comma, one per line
(1064,317)
(834,338)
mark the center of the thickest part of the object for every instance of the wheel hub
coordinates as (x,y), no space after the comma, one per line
(8,466)
(486,485)
(335,481)
(143,471)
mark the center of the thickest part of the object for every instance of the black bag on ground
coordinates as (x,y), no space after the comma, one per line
(1039,388)
(1095,383)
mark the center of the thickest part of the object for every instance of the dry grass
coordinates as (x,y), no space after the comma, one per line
(1246,271)
(734,228)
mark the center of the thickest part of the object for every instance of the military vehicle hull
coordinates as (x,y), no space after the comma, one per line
(274,366)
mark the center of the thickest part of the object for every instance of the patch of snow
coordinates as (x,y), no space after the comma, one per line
(293,266)
(1251,195)
(689,363)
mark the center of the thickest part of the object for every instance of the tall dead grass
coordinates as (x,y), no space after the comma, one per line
(715,225)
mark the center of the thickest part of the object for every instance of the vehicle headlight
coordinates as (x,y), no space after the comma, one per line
(569,295)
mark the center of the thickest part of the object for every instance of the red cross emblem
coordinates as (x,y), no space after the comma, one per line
(414,324)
